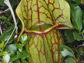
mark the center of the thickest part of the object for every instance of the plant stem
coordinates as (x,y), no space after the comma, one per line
(0,29)
(11,10)
(4,11)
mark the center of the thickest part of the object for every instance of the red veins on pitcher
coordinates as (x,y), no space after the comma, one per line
(41,20)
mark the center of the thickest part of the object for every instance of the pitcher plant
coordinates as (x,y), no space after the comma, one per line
(41,20)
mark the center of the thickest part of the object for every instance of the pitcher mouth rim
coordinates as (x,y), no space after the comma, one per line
(48,29)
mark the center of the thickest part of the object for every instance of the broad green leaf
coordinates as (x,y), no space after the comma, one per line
(24,61)
(77,17)
(4,37)
(83,24)
(66,51)
(1,62)
(15,57)
(3,18)
(77,36)
(69,35)
(70,60)
(2,3)
(6,20)
(2,44)
(82,62)
(24,54)
(17,61)
(1,53)
(11,49)
(82,32)
(80,52)
(19,46)
(23,38)
(13,2)
(75,2)
(6,57)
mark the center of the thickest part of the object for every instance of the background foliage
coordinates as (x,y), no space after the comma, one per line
(13,52)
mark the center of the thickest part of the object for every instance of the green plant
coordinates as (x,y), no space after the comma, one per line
(71,43)
(40,20)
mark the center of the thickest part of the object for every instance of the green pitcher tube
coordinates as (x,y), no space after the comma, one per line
(41,20)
